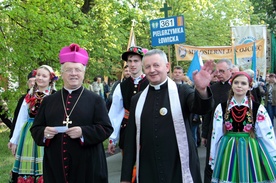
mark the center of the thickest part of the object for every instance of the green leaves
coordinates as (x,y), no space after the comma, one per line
(32,32)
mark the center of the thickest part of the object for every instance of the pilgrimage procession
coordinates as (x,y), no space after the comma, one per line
(162,92)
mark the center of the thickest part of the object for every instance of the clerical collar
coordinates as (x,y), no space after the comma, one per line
(136,80)
(157,87)
(179,82)
(70,91)
(226,81)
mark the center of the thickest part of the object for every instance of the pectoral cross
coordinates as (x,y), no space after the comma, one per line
(67,121)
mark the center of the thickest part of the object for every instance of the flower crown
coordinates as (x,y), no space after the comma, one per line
(53,76)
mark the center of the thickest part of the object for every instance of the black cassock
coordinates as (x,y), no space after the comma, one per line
(73,160)
(159,155)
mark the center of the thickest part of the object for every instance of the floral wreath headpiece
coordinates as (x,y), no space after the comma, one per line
(53,76)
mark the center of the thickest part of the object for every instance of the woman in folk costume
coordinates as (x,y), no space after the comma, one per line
(243,145)
(28,156)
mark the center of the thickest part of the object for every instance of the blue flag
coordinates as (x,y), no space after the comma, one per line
(195,65)
(254,61)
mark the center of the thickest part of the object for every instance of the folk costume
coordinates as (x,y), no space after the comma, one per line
(79,160)
(119,111)
(159,137)
(243,147)
(28,158)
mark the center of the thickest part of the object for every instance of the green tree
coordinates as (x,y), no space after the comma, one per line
(33,31)
(264,13)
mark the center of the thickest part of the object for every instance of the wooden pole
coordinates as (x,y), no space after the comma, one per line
(131,42)
(165,9)
(169,59)
(233,47)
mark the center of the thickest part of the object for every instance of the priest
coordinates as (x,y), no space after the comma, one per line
(71,125)
(159,138)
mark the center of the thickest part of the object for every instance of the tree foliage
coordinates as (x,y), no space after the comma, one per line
(264,13)
(33,31)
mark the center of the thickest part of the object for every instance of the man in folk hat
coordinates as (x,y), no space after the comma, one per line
(119,110)
(71,125)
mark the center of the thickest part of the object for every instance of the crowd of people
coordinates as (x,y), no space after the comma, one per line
(156,120)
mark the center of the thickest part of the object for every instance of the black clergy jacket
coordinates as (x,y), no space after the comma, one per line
(220,94)
(73,160)
(159,155)
(129,89)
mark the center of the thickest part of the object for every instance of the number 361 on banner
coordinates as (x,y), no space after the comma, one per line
(166,31)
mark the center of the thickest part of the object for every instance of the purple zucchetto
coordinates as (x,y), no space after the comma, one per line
(73,53)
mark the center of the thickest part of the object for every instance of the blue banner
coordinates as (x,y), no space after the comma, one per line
(167,31)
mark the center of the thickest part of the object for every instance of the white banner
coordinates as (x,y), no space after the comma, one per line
(247,34)
(186,52)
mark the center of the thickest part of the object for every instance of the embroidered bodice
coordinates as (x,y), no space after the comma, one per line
(34,101)
(238,117)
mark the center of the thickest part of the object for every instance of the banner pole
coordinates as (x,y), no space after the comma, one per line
(169,59)
(233,47)
(131,41)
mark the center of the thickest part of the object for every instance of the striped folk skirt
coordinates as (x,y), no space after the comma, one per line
(29,156)
(242,159)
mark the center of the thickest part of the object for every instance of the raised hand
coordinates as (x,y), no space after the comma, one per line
(203,77)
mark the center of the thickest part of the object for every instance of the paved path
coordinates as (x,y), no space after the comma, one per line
(114,165)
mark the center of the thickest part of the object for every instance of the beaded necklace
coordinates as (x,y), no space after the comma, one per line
(239,114)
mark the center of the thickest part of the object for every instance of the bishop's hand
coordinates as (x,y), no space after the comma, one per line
(74,132)
(50,132)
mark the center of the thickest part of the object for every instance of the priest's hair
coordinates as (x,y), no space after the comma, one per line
(156,51)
